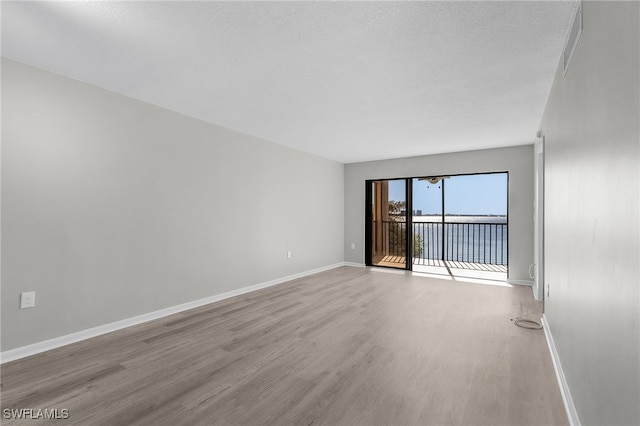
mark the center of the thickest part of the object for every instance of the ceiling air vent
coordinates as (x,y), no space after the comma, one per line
(572,38)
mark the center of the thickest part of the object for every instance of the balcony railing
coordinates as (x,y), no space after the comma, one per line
(472,242)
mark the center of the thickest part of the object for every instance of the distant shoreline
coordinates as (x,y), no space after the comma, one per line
(464,218)
(461,215)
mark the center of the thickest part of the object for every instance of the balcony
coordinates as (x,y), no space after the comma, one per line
(472,248)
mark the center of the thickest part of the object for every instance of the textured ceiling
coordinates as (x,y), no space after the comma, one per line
(349,81)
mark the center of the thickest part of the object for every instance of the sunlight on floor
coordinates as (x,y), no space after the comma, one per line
(477,273)
(463,273)
(459,272)
(465,279)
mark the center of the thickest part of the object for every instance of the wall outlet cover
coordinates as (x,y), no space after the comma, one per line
(27,299)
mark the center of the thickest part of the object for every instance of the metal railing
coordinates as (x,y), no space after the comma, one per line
(392,239)
(472,242)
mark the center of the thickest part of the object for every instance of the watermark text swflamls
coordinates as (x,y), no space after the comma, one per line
(35,413)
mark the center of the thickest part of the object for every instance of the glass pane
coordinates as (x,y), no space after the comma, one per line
(476,195)
(389,223)
(476,218)
(427,221)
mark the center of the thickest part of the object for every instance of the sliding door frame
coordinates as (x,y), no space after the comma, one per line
(408,237)
(408,232)
(368,220)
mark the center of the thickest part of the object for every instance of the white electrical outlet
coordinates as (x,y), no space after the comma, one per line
(27,299)
(353,246)
(288,255)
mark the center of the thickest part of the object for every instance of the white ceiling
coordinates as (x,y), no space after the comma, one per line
(349,81)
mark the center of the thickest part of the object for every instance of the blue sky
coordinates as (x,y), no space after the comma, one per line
(468,194)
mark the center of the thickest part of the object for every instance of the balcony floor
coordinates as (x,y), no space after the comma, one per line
(450,270)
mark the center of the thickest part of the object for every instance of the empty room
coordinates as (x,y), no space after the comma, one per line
(328,213)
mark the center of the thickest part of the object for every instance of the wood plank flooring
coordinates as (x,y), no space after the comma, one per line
(350,346)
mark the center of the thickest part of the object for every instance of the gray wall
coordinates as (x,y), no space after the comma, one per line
(518,161)
(112,208)
(592,235)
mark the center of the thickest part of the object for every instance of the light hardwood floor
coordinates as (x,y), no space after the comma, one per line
(347,346)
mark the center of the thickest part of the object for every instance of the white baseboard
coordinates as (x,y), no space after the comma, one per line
(520,282)
(36,348)
(355,265)
(572,414)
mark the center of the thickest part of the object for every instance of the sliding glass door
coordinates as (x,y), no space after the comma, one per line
(388,222)
(458,220)
(476,218)
(428,220)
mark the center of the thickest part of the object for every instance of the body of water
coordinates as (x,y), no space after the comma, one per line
(462,238)
(475,239)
